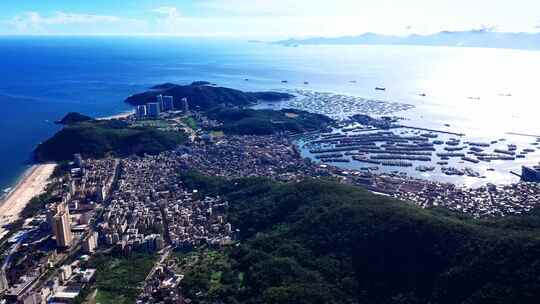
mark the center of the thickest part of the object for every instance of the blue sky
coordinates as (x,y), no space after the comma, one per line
(262,18)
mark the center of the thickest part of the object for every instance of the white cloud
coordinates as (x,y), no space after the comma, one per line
(169,11)
(60,22)
(388,16)
(35,22)
(170,19)
(278,7)
(286,18)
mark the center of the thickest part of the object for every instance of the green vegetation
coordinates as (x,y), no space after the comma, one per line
(98,138)
(190,122)
(153,123)
(217,134)
(61,169)
(118,278)
(323,242)
(211,272)
(264,122)
(73,118)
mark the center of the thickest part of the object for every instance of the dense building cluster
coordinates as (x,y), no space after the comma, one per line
(247,156)
(486,201)
(490,200)
(42,263)
(150,204)
(140,204)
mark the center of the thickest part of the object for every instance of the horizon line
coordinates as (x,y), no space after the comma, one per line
(240,36)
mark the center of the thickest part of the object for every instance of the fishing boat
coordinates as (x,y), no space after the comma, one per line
(380,89)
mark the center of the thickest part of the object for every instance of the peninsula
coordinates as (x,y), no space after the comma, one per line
(98,138)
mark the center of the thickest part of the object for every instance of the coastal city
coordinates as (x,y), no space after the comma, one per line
(269,152)
(140,204)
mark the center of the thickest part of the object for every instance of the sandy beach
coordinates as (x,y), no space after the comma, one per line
(31,184)
(118,116)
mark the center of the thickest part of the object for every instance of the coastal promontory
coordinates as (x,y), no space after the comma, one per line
(203,96)
(98,138)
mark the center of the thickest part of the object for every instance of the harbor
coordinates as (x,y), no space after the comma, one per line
(416,139)
(337,106)
(443,156)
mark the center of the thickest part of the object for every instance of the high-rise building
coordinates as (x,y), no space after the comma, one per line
(153,109)
(168,103)
(3,281)
(185,105)
(62,226)
(90,243)
(65,272)
(78,160)
(159,100)
(141,111)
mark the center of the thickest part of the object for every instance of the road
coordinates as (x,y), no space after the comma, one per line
(165,252)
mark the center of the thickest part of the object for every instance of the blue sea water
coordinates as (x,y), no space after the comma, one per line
(43,78)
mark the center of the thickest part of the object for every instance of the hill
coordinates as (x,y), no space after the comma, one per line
(74,117)
(323,242)
(204,97)
(484,38)
(96,139)
(265,122)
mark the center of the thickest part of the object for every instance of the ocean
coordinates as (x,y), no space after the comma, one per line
(485,93)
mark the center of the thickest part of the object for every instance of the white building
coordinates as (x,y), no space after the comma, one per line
(90,243)
(141,111)
(62,226)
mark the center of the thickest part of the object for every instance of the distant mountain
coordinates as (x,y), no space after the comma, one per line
(474,38)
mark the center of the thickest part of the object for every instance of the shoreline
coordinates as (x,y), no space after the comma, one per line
(120,115)
(31,183)
(14,185)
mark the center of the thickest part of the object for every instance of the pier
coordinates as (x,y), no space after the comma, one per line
(522,134)
(430,130)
